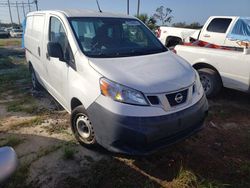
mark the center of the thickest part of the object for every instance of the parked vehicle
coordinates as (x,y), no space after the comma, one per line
(16,33)
(122,87)
(214,31)
(4,34)
(171,36)
(8,162)
(218,66)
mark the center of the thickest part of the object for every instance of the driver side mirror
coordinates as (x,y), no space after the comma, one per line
(55,50)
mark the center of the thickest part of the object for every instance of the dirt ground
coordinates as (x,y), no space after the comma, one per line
(49,156)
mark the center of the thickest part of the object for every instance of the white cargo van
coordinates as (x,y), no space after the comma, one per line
(122,87)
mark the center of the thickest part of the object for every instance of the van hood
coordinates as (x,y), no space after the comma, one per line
(156,73)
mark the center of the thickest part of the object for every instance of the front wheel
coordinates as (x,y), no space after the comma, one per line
(210,81)
(82,127)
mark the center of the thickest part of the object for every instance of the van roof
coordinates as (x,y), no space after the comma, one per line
(83,13)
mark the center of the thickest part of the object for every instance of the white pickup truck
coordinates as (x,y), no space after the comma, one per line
(214,31)
(218,67)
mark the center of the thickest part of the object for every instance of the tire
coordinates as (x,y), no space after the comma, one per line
(35,84)
(211,81)
(82,128)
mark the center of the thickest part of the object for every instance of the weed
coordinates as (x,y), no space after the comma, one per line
(68,152)
(185,179)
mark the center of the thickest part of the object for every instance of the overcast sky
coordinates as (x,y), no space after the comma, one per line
(183,10)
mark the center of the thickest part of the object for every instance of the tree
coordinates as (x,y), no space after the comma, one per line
(163,15)
(194,25)
(149,21)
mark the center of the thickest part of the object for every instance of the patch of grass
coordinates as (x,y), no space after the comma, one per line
(32,122)
(45,151)
(12,141)
(6,63)
(10,42)
(212,184)
(185,179)
(245,169)
(68,152)
(16,74)
(26,104)
(114,173)
(55,128)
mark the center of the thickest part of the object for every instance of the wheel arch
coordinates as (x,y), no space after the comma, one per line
(75,102)
(173,38)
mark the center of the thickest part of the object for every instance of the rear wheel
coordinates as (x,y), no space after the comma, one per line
(82,127)
(210,81)
(35,84)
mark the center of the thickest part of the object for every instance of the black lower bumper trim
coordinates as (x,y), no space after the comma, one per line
(143,135)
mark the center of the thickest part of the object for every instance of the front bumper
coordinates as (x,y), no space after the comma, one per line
(144,135)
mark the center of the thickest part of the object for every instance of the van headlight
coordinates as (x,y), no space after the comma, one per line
(121,93)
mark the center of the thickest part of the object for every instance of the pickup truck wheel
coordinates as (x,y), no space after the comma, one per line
(35,84)
(210,81)
(82,127)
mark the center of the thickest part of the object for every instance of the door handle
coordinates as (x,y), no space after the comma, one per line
(39,51)
(206,35)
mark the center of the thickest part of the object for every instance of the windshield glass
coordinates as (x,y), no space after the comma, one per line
(114,37)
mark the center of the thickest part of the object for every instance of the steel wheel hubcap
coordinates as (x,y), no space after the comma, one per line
(206,83)
(83,126)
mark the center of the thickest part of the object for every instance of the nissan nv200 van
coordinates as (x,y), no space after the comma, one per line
(123,88)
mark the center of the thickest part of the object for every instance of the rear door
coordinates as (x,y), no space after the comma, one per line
(216,30)
(34,42)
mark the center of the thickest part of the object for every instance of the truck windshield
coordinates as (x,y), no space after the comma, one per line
(114,37)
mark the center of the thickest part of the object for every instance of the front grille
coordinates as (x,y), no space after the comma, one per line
(177,98)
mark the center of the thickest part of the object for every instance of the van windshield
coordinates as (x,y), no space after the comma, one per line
(114,37)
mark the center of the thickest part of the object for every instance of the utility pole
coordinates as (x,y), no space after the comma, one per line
(18,13)
(128,7)
(10,13)
(24,14)
(36,2)
(138,8)
(29,4)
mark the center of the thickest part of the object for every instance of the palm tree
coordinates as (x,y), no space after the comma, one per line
(149,21)
(128,7)
(138,7)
